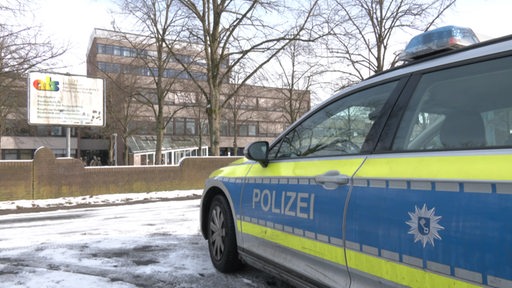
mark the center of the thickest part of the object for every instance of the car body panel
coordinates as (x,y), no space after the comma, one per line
(461,195)
(418,218)
(284,205)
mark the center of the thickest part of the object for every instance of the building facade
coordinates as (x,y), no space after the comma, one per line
(129,137)
(128,64)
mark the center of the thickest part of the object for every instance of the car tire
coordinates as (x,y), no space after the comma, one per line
(221,236)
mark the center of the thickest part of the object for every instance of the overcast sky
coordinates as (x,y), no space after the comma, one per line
(73,22)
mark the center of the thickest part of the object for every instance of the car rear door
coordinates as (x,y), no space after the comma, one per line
(292,211)
(433,207)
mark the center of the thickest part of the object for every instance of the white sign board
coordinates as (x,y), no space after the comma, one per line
(68,100)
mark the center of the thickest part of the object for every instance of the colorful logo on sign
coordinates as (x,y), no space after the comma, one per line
(46,85)
(424,225)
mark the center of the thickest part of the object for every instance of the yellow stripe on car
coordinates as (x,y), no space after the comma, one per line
(490,167)
(305,168)
(309,246)
(385,269)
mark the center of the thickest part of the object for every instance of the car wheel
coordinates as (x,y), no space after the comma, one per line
(221,236)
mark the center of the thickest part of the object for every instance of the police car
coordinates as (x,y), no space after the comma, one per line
(403,180)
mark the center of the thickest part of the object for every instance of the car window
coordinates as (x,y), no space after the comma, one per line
(466,107)
(337,129)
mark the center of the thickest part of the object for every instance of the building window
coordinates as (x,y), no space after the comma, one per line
(247,129)
(169,129)
(204,126)
(129,52)
(56,131)
(199,76)
(17,154)
(102,66)
(172,73)
(184,126)
(101,48)
(109,67)
(179,124)
(117,50)
(190,126)
(224,128)
(109,50)
(252,130)
(185,59)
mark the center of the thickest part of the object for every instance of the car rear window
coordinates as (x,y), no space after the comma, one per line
(467,107)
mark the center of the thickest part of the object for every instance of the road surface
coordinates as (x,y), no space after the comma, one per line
(154,244)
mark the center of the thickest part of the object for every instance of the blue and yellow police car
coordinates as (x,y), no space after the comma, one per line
(403,180)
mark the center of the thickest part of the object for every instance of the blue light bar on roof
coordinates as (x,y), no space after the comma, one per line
(438,40)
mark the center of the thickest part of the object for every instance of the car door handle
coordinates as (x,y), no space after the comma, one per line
(332,179)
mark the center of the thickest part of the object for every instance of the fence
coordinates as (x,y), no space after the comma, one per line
(49,177)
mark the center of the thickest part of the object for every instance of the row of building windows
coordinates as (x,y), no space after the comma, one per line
(21,128)
(262,103)
(179,127)
(17,154)
(141,53)
(192,99)
(147,71)
(192,126)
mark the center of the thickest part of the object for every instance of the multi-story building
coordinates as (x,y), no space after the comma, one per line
(256,113)
(125,61)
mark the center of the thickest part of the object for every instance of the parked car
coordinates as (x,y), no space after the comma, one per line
(403,180)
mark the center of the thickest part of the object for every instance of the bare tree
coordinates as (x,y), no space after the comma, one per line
(364,30)
(296,76)
(157,21)
(239,111)
(21,50)
(237,33)
(197,109)
(122,108)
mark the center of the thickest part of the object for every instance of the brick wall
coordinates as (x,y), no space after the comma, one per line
(48,177)
(15,180)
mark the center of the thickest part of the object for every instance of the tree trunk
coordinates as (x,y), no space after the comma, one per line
(126,152)
(215,131)
(214,118)
(235,147)
(1,135)
(158,148)
(235,136)
(159,135)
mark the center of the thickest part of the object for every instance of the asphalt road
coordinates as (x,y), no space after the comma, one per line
(142,245)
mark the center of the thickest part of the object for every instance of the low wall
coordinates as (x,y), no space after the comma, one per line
(15,180)
(50,177)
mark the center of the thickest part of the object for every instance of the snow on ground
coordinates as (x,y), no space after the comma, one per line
(99,199)
(150,243)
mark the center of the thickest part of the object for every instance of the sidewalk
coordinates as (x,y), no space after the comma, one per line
(27,206)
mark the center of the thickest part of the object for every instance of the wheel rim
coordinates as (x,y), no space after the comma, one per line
(217,233)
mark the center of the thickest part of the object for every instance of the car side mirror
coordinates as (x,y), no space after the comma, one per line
(257,151)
